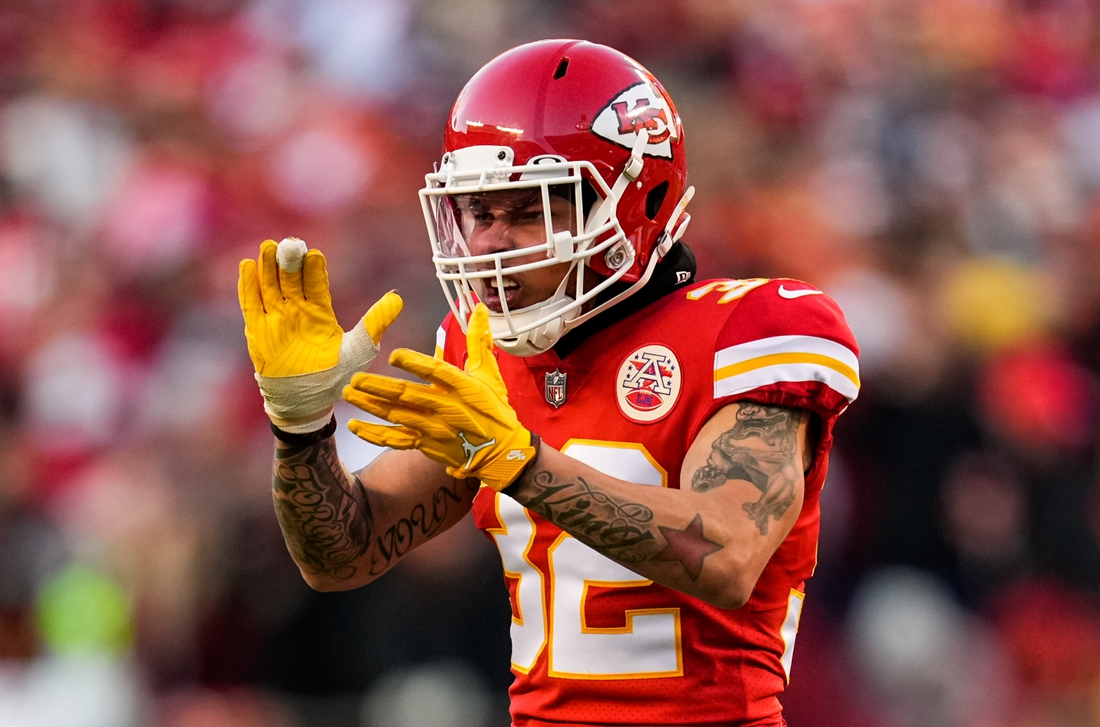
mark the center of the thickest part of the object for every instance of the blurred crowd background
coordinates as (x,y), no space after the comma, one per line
(932,164)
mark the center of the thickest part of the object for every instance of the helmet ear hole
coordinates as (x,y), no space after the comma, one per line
(655,199)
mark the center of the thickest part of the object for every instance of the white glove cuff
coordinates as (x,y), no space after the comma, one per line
(305,395)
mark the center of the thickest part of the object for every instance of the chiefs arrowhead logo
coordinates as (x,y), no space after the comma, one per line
(637,110)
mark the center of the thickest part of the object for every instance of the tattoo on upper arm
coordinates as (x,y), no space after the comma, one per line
(760,448)
(325,517)
(621,530)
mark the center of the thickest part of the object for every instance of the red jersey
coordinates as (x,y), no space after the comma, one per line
(594,643)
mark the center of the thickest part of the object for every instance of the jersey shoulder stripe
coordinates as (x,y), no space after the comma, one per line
(440,341)
(778,359)
(441,335)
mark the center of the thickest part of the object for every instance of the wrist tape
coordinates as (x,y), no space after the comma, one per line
(311,396)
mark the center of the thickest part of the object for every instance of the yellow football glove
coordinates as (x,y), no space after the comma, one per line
(461,418)
(302,356)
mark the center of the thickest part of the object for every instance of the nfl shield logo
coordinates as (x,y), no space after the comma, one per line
(555,388)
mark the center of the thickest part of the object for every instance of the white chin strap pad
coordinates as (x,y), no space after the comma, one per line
(537,340)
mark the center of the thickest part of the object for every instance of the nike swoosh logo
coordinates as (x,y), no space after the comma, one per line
(792,294)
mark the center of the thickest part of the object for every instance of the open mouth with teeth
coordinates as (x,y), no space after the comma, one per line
(491,294)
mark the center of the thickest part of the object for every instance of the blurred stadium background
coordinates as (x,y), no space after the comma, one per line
(933,164)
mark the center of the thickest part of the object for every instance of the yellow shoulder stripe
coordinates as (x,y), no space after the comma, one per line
(787,358)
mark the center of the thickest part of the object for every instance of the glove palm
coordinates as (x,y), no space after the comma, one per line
(301,354)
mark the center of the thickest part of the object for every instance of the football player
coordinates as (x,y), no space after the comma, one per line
(646,451)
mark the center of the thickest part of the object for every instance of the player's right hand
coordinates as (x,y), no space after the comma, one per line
(460,418)
(301,355)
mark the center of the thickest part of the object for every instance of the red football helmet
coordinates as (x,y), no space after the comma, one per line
(564,118)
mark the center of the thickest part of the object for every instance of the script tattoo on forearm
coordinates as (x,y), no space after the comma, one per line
(621,530)
(323,510)
(760,448)
(327,522)
(423,519)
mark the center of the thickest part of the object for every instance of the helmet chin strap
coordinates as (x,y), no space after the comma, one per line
(630,173)
(537,340)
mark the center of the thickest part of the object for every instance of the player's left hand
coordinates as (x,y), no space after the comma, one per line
(461,418)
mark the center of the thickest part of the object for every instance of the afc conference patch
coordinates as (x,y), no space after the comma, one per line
(648,384)
(555,388)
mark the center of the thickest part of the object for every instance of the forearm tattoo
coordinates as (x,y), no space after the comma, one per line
(760,448)
(424,520)
(327,522)
(323,511)
(621,530)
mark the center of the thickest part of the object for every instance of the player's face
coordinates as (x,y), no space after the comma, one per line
(509,220)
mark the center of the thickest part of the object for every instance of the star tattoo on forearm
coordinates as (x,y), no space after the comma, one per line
(760,448)
(687,547)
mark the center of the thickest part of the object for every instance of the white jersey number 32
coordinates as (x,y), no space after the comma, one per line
(646,646)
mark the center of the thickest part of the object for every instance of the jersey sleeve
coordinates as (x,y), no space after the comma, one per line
(787,344)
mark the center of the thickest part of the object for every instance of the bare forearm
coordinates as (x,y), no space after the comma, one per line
(323,511)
